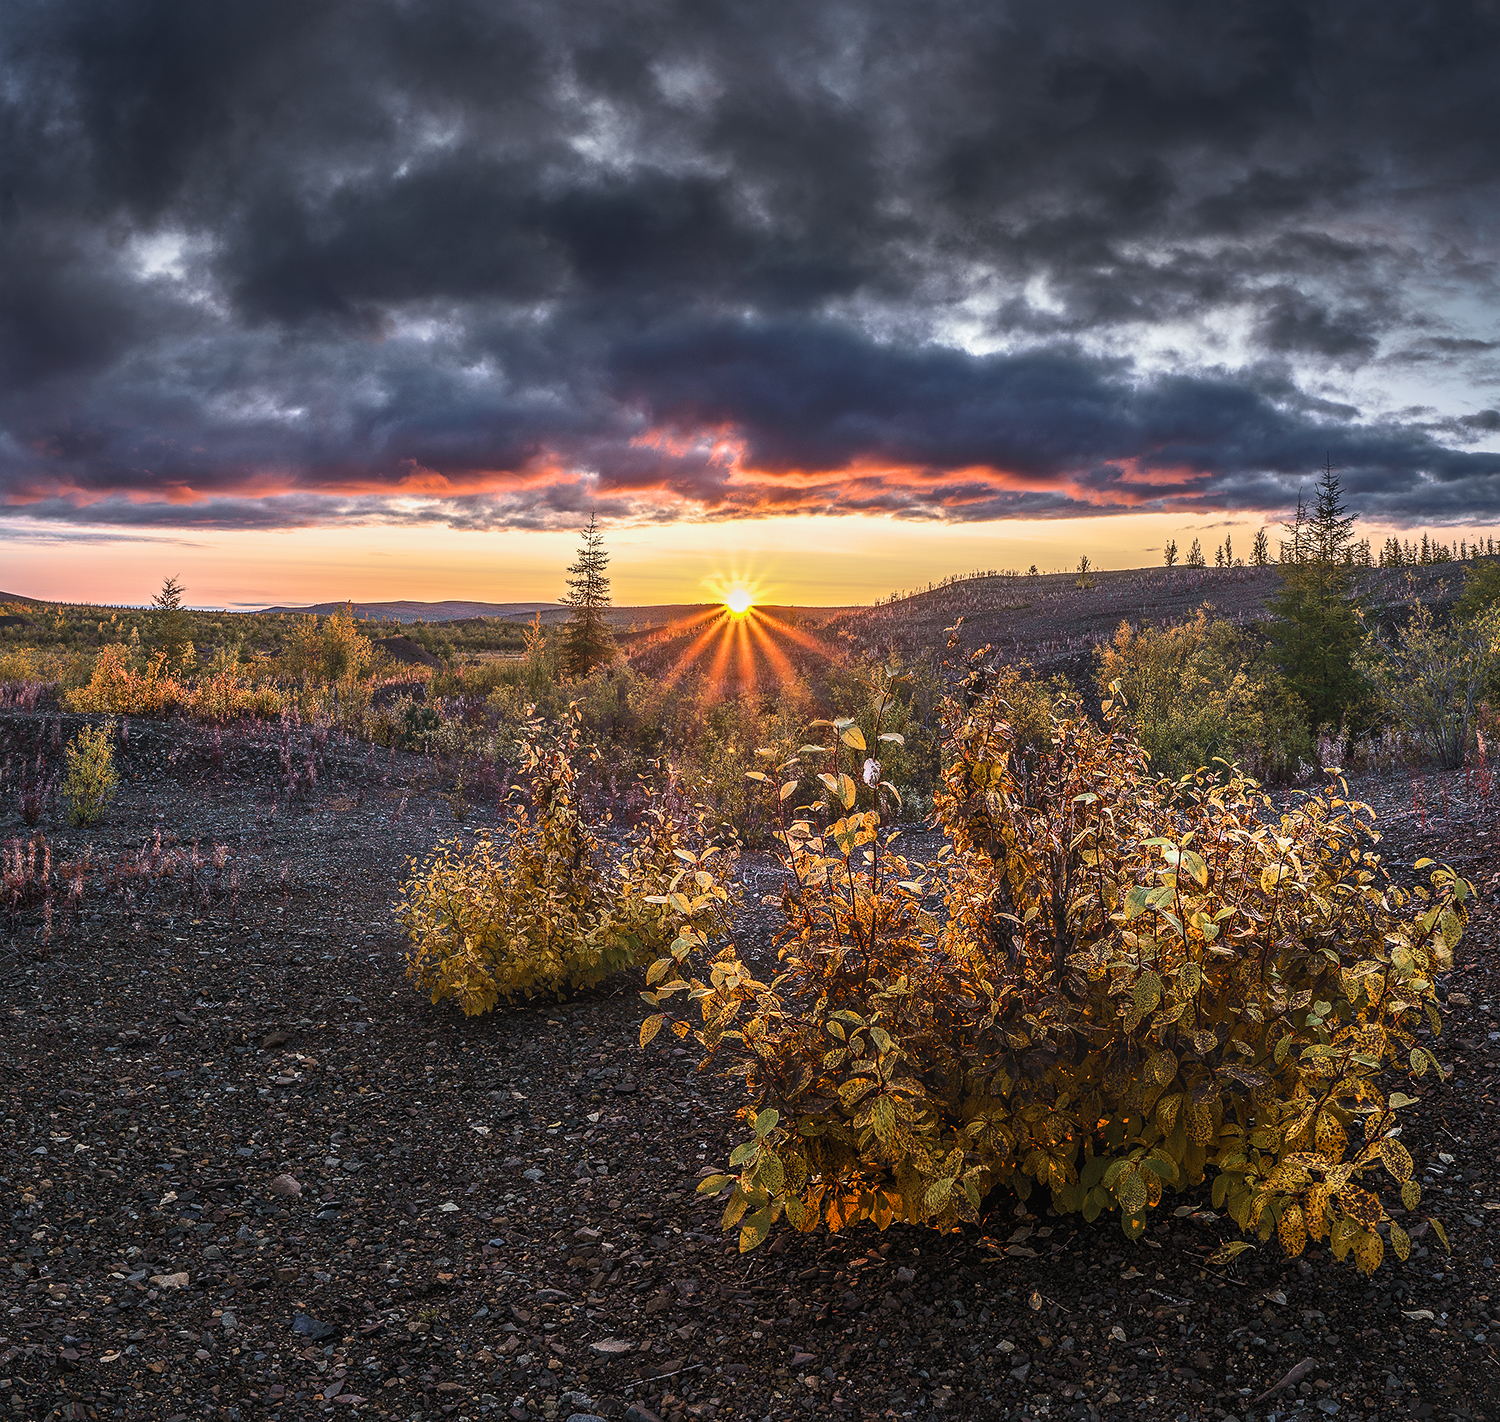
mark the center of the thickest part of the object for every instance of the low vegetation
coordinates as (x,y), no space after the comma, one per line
(1108,987)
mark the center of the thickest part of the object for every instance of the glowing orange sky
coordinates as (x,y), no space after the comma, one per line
(809,560)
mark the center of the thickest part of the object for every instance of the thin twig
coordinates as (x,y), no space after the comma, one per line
(641,1382)
(1207,1270)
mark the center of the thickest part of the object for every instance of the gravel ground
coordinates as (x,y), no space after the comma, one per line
(496,1218)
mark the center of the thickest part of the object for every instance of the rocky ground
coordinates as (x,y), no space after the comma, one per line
(496,1218)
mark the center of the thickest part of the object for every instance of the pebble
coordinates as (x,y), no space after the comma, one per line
(285,1185)
(611,1347)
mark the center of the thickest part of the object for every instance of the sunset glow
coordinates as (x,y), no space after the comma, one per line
(739,601)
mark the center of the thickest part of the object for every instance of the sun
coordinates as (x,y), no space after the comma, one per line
(739,601)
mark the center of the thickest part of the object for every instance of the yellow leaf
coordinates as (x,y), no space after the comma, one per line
(1400,1241)
(1396,1159)
(1226,1252)
(853,737)
(1130,1191)
(1369,1250)
(1161,1067)
(754,1230)
(883,1119)
(1315,1211)
(1292,1229)
(1271,876)
(650,1027)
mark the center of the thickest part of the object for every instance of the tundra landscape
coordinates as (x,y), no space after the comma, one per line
(732,713)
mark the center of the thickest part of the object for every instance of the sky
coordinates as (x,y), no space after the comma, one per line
(309,299)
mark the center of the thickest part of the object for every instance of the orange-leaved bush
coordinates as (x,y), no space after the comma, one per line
(541,910)
(1106,986)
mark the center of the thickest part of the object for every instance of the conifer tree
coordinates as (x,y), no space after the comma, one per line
(169,623)
(1169,553)
(1261,553)
(1316,629)
(586,639)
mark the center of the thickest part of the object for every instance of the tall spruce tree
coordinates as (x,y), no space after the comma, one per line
(586,639)
(1316,630)
(169,622)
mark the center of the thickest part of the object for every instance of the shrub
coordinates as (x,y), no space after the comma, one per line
(1198,692)
(1132,986)
(91,778)
(1430,678)
(542,912)
(117,688)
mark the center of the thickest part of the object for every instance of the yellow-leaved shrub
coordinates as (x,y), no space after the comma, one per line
(117,687)
(1107,986)
(91,779)
(541,910)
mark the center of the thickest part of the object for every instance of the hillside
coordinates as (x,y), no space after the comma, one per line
(1048,618)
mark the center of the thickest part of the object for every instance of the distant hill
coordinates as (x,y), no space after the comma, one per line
(623,619)
(425,611)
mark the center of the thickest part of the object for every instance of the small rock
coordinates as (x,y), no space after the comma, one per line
(637,1413)
(799,1359)
(584,1417)
(273,1039)
(170,1281)
(310,1327)
(612,1347)
(212,1253)
(532,1174)
(624,1086)
(285,1185)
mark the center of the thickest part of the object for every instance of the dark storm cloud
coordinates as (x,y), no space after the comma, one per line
(263,266)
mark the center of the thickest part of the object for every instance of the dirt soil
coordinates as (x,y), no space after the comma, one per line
(496,1218)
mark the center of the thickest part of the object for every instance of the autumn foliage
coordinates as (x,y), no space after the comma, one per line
(545,909)
(1108,987)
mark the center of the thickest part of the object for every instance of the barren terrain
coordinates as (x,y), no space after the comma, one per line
(496,1217)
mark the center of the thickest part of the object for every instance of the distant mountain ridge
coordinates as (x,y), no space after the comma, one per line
(405,611)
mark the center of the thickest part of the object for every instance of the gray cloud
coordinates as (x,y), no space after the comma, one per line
(496,264)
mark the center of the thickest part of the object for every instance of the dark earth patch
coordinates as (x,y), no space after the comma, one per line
(490,1211)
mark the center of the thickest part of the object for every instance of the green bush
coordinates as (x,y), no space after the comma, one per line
(91,778)
(1131,987)
(542,912)
(1430,678)
(1200,692)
